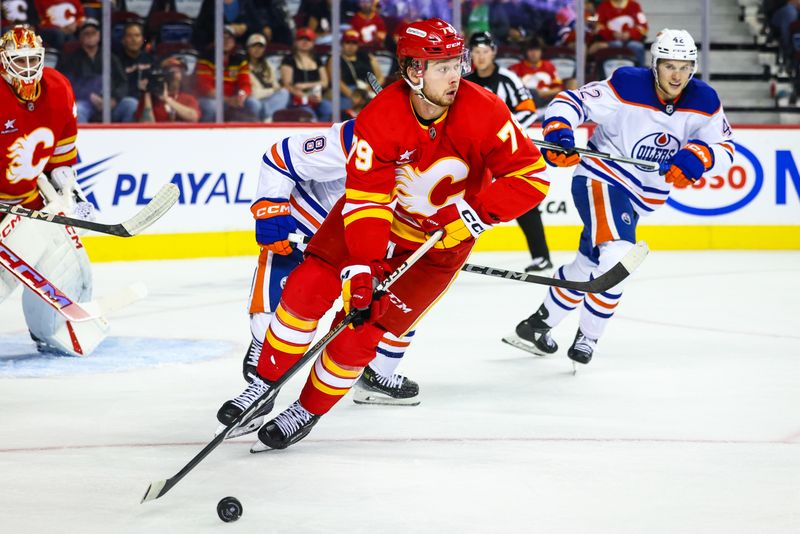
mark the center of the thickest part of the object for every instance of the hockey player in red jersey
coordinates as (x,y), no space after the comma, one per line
(37,150)
(430,152)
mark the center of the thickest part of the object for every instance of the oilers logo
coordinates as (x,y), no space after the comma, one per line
(656,147)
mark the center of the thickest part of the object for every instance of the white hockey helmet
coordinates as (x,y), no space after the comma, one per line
(673,44)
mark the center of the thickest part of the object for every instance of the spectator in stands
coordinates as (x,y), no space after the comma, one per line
(164,100)
(135,61)
(239,16)
(781,22)
(622,23)
(355,65)
(84,69)
(368,23)
(304,76)
(315,15)
(358,100)
(14,12)
(526,20)
(273,18)
(487,16)
(239,105)
(59,20)
(264,80)
(537,74)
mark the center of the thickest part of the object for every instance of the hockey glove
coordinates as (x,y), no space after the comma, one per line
(459,221)
(688,164)
(274,223)
(557,130)
(358,285)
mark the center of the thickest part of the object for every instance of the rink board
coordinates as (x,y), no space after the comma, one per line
(755,206)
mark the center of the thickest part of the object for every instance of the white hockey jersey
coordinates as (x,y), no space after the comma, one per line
(633,121)
(309,170)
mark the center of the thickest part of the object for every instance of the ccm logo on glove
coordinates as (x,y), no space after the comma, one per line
(264,209)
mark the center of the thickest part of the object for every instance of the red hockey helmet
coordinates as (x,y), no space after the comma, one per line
(429,39)
(22,61)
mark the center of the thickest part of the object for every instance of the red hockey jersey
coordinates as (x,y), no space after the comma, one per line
(35,137)
(59,13)
(612,19)
(400,171)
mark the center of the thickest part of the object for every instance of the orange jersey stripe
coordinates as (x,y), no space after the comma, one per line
(277,157)
(602,231)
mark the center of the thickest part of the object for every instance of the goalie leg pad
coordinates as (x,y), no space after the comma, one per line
(66,265)
(24,237)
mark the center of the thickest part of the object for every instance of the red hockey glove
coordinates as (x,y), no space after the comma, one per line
(688,164)
(274,223)
(459,221)
(358,285)
(557,130)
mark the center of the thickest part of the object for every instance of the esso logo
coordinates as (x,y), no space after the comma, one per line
(717,195)
(656,147)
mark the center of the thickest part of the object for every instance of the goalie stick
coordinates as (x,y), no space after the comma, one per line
(158,206)
(159,488)
(604,282)
(373,82)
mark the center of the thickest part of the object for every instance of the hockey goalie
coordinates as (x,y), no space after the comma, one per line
(37,150)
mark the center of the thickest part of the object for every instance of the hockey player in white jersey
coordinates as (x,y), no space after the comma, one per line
(660,114)
(301,178)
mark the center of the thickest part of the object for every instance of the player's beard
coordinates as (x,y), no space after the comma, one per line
(442,99)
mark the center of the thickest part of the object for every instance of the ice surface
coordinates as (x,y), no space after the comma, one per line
(687,420)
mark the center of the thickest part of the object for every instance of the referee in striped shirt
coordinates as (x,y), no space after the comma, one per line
(507,85)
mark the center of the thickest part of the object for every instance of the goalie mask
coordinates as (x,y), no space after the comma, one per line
(22,61)
(429,40)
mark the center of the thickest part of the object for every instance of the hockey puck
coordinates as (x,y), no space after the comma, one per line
(229,509)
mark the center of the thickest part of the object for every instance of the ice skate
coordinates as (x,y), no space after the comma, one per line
(538,265)
(250,362)
(533,335)
(373,388)
(233,408)
(582,348)
(289,427)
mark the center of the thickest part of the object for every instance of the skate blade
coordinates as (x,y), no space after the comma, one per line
(260,447)
(385,401)
(519,343)
(251,426)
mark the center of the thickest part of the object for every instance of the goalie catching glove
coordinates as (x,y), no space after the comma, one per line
(274,223)
(358,285)
(61,189)
(459,221)
(688,164)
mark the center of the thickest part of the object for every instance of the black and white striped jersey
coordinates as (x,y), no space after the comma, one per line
(507,85)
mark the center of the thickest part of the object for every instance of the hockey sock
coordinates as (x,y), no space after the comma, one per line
(287,339)
(391,350)
(598,308)
(328,382)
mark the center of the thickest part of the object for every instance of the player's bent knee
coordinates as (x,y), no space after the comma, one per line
(311,289)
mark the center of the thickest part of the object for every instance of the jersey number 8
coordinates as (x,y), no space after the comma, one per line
(315,144)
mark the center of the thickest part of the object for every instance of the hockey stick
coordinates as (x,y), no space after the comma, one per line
(602,283)
(602,155)
(621,270)
(159,488)
(158,206)
(42,287)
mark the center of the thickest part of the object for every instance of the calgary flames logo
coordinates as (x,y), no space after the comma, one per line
(22,152)
(423,192)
